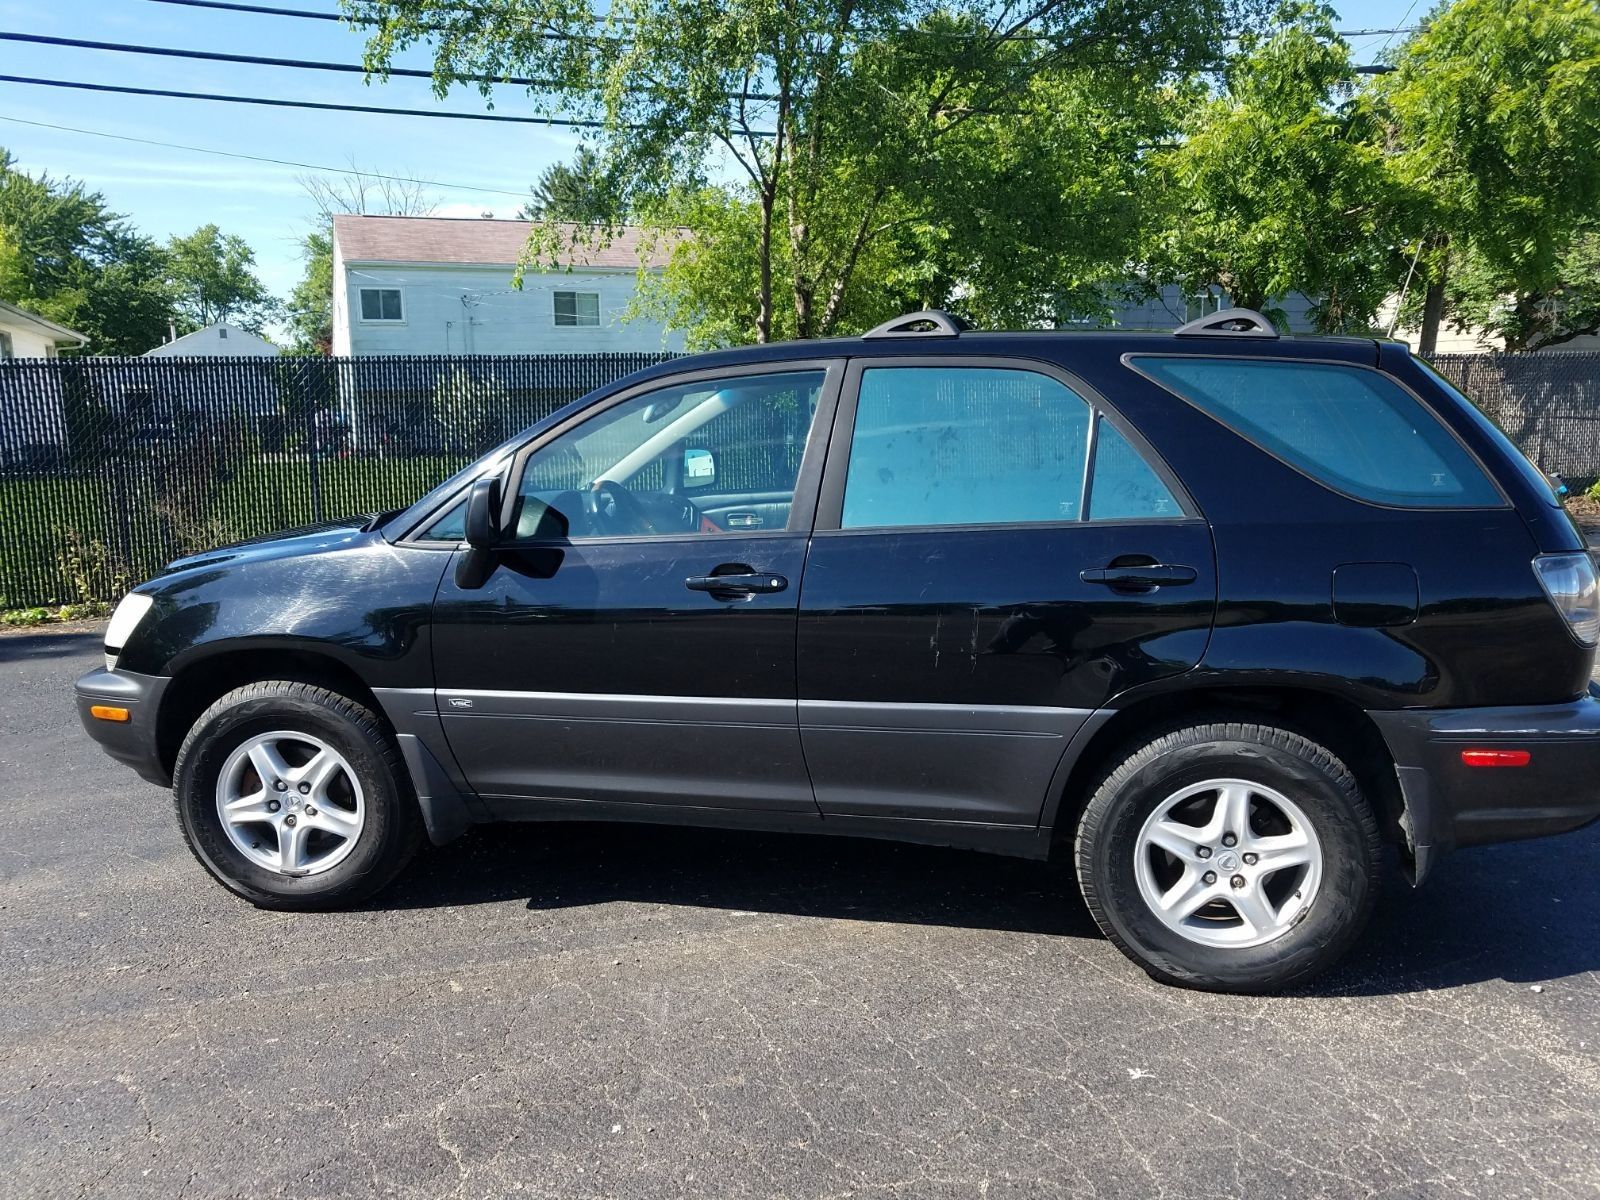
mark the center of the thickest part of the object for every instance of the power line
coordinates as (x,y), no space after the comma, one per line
(273,10)
(322,106)
(299,64)
(277,162)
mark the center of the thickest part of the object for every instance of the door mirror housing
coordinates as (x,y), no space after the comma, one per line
(699,469)
(483,514)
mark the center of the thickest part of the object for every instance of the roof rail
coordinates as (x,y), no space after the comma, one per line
(944,325)
(1230,322)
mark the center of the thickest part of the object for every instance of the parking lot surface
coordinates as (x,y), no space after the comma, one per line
(579,1011)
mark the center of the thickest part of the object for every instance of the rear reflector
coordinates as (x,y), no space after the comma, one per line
(108,712)
(1496,758)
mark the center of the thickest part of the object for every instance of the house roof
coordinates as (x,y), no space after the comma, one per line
(207,342)
(10,314)
(471,240)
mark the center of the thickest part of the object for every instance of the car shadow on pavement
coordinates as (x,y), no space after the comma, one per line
(575,864)
(1522,913)
(32,646)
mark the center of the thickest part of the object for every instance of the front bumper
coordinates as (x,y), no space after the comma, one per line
(1449,804)
(133,741)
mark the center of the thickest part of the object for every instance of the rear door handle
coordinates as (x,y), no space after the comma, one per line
(752,584)
(1142,578)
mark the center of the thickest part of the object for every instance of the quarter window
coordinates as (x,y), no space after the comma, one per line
(1125,487)
(381,304)
(578,308)
(1353,429)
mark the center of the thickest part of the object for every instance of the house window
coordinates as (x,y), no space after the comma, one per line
(381,304)
(577,308)
(6,352)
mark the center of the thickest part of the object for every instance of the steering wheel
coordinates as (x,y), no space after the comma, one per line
(612,506)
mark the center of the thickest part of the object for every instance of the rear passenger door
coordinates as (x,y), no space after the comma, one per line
(997,553)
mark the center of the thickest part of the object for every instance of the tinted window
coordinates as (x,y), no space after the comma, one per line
(1125,487)
(1353,429)
(964,446)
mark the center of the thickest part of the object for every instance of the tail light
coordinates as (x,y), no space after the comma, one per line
(1569,580)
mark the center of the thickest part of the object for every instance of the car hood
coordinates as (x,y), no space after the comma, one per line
(308,539)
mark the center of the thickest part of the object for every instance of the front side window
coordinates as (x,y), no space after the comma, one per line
(381,304)
(577,308)
(677,460)
(1352,429)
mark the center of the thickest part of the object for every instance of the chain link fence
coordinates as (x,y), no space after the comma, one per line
(110,468)
(1548,404)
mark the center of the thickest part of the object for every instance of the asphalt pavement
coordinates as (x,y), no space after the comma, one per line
(582,1011)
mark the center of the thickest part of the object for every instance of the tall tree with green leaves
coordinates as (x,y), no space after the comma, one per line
(1493,116)
(214,281)
(1278,183)
(840,117)
(78,263)
(577,191)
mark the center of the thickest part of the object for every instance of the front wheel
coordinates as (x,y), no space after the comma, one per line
(294,796)
(1230,856)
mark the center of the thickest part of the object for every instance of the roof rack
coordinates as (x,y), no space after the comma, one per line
(1230,322)
(944,325)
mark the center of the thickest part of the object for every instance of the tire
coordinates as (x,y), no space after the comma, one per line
(1159,792)
(369,825)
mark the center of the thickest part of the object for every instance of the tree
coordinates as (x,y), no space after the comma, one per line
(214,279)
(1278,183)
(580,192)
(309,313)
(73,260)
(1567,306)
(835,113)
(1493,113)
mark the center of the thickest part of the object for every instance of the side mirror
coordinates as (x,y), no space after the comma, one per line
(482,532)
(699,469)
(483,514)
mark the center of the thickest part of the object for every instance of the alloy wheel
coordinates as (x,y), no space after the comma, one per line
(291,803)
(1228,863)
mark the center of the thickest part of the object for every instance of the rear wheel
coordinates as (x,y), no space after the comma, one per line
(1229,856)
(294,796)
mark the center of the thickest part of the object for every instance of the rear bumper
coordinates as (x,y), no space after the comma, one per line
(132,741)
(1449,804)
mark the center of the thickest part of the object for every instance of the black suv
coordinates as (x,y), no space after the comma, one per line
(1217,614)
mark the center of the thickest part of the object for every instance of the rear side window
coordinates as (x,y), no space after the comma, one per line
(968,445)
(1355,430)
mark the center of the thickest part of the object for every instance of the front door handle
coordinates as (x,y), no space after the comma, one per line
(1146,578)
(732,586)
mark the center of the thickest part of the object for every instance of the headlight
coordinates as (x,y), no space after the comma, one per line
(123,622)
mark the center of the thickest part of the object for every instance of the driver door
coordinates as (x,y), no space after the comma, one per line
(631,646)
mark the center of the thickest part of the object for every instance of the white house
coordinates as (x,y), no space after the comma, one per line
(216,341)
(440,285)
(28,335)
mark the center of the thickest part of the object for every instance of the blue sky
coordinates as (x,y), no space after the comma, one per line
(173,191)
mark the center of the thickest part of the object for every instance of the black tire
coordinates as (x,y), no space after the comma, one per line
(389,836)
(1292,764)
